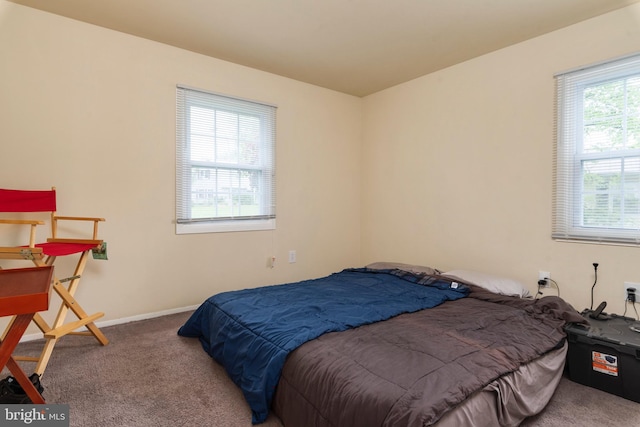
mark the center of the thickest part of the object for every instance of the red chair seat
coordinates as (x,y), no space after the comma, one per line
(62,249)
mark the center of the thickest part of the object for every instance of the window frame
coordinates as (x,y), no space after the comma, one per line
(569,155)
(187,97)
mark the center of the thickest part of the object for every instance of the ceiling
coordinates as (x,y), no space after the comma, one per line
(353,46)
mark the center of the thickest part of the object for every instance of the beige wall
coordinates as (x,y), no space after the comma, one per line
(458,166)
(92,111)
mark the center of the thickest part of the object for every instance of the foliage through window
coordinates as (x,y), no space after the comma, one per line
(597,153)
(225,168)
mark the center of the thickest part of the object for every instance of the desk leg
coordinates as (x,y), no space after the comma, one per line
(11,340)
(25,382)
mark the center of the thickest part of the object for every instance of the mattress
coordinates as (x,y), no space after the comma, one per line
(331,358)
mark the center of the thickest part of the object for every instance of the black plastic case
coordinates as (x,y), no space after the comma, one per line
(606,355)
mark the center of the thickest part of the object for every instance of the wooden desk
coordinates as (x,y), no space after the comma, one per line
(23,293)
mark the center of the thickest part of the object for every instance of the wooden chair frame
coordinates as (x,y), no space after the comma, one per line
(37,254)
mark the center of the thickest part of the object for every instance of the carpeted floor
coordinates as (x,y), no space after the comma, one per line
(148,376)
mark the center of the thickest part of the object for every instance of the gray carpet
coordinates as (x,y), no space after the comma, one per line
(148,376)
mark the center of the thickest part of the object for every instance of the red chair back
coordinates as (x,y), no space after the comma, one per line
(27,200)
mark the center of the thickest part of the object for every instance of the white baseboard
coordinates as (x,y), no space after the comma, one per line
(33,337)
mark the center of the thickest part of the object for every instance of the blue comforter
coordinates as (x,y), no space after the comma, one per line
(251,332)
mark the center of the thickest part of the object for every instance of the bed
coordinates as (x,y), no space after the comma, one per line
(388,345)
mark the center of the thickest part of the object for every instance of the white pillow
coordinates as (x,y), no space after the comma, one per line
(411,268)
(496,284)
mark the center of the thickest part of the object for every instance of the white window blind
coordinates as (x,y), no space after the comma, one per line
(225,163)
(597,153)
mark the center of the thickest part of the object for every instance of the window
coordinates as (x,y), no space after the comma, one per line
(225,166)
(597,153)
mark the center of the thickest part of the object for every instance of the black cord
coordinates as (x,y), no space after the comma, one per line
(556,283)
(633,304)
(595,269)
(541,284)
(538,293)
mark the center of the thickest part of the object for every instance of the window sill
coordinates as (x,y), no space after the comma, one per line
(593,241)
(226,226)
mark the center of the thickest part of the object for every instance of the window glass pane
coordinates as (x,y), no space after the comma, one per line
(203,193)
(601,193)
(604,107)
(201,131)
(632,193)
(633,112)
(631,211)
(249,140)
(632,174)
(240,197)
(611,193)
(227,137)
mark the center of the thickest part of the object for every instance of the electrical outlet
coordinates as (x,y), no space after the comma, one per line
(633,285)
(543,275)
(292,257)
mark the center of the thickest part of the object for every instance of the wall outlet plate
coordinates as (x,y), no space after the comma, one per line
(635,285)
(542,275)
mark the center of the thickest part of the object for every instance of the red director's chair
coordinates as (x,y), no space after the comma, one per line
(45,254)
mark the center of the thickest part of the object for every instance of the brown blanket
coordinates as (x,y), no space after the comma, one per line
(412,369)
